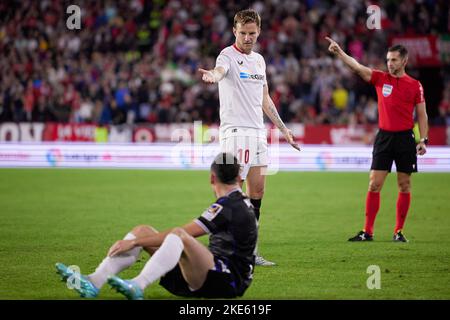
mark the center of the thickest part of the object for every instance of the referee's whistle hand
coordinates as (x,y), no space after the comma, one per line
(421,149)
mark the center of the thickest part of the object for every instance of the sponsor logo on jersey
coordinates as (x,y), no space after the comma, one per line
(212,211)
(245,75)
(240,62)
(387,90)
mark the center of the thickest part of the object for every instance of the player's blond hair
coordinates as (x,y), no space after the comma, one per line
(247,16)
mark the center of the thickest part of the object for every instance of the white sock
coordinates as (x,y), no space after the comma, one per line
(113,265)
(163,260)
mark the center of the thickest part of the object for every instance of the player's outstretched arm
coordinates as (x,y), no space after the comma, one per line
(364,72)
(213,75)
(271,111)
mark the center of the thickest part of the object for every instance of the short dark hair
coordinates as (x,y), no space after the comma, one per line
(247,16)
(400,49)
(226,168)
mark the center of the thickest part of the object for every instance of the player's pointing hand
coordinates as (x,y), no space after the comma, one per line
(334,47)
(207,75)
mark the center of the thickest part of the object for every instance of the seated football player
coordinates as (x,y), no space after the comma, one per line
(184,265)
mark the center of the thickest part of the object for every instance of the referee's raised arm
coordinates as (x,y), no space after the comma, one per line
(364,72)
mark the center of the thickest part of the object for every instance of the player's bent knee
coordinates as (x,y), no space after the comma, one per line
(143,230)
(184,236)
(179,232)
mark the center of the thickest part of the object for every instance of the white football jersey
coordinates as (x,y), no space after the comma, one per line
(241,90)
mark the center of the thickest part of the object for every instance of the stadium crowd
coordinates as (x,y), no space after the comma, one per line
(136,61)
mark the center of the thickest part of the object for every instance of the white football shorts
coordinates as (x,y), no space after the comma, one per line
(249,146)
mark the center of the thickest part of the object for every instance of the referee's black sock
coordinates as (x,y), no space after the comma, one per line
(257,205)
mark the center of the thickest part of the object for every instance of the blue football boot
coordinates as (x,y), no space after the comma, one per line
(80,283)
(126,287)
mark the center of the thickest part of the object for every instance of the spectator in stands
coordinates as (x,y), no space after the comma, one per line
(128,49)
(444,107)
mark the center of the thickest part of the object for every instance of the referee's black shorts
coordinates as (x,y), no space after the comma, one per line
(395,146)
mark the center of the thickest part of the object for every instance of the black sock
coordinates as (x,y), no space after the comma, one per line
(257,205)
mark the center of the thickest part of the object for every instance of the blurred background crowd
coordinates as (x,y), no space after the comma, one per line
(136,61)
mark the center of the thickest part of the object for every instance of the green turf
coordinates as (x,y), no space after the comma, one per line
(73,216)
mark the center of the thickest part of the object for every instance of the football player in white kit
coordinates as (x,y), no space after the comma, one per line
(244,95)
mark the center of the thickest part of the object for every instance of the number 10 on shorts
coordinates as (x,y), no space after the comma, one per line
(246,154)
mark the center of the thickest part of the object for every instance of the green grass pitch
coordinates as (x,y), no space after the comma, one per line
(73,216)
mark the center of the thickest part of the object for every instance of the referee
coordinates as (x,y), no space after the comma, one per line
(398,94)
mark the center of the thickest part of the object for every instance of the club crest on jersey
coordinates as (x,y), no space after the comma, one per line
(212,211)
(387,90)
